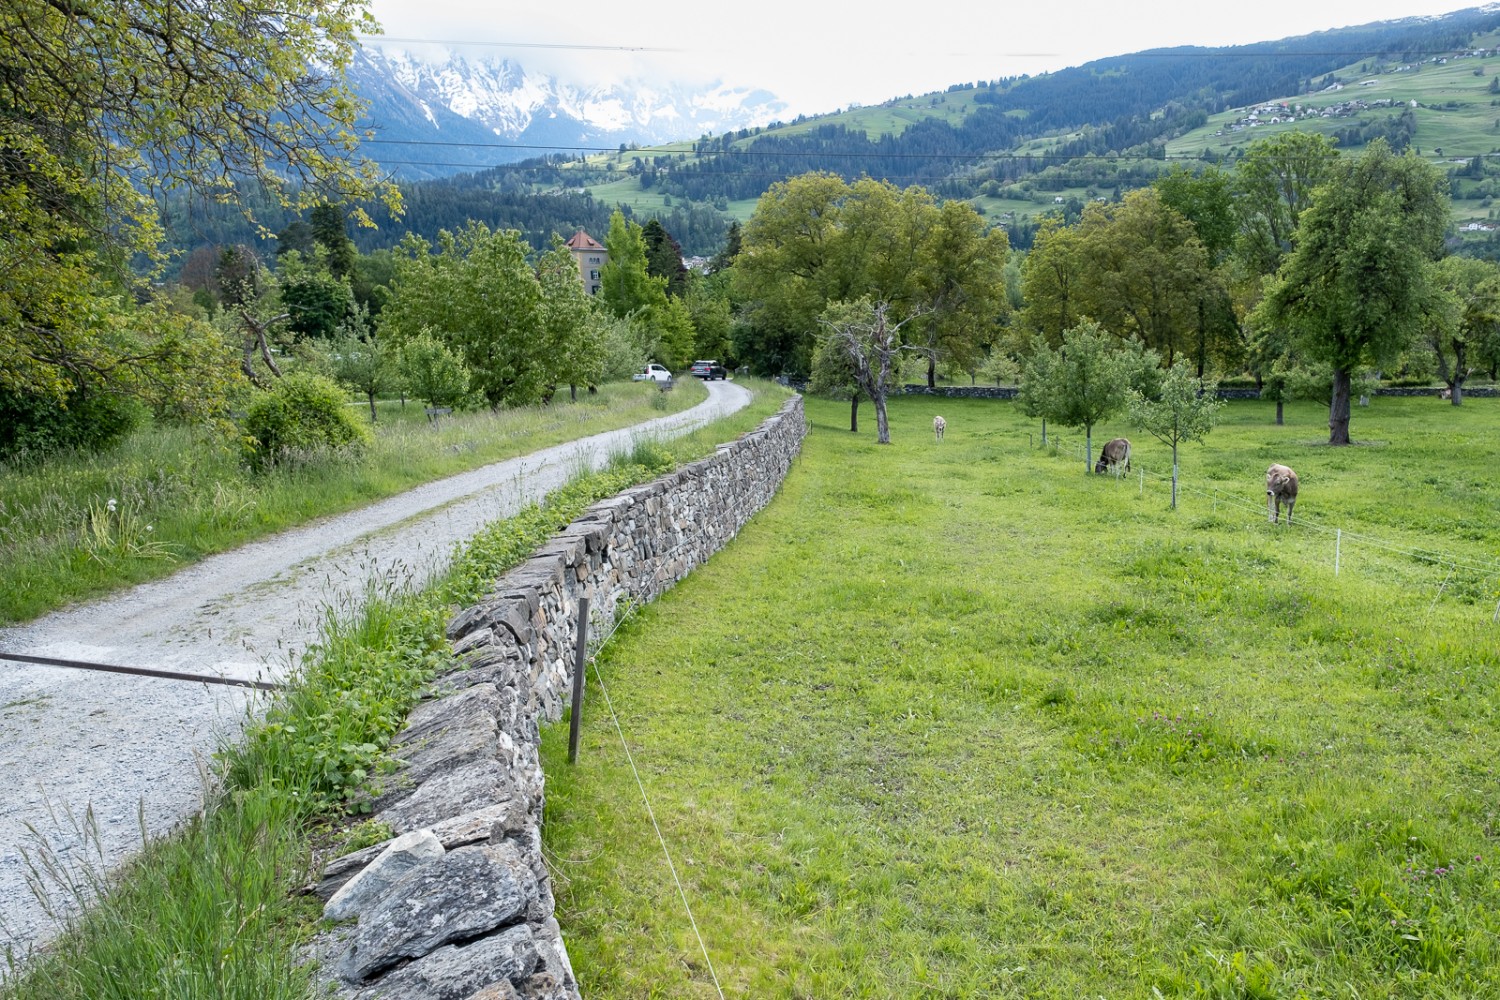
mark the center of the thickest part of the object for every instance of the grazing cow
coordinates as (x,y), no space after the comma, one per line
(1281,488)
(1445,394)
(938,426)
(1115,454)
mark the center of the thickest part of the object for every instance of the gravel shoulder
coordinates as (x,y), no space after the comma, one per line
(127,750)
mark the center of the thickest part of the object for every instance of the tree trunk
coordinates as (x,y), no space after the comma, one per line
(372,407)
(854,413)
(1202,338)
(573,391)
(1338,408)
(1280,412)
(931,372)
(1174,474)
(1088,447)
(882,425)
(1044,432)
(1458,392)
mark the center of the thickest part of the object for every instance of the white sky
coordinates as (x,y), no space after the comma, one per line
(819,57)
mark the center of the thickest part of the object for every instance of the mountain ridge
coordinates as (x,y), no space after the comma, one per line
(484,110)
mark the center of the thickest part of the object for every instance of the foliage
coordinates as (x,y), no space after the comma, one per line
(33,426)
(570,333)
(316,300)
(479,294)
(300,413)
(360,362)
(1465,321)
(97,104)
(627,285)
(1354,290)
(816,240)
(1085,381)
(1274,183)
(664,258)
(433,373)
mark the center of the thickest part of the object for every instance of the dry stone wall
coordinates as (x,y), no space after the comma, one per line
(459,906)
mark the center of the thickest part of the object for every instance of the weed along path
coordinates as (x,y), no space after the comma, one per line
(91,759)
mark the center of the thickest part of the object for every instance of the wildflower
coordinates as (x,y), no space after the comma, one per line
(111,505)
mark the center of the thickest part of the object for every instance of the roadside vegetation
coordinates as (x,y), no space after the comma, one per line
(83,523)
(212,912)
(963,720)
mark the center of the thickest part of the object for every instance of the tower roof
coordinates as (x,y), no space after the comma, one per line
(583,241)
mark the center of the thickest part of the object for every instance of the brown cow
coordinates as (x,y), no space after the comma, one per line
(938,426)
(1115,454)
(1281,488)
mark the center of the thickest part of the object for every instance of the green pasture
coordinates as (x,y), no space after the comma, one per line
(180,494)
(1455,112)
(963,720)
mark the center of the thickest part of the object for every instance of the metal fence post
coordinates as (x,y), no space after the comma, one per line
(580,660)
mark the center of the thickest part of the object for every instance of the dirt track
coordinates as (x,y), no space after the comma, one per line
(129,747)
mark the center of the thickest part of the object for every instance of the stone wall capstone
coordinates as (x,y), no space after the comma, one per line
(459,905)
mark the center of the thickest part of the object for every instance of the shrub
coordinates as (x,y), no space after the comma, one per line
(39,425)
(301,412)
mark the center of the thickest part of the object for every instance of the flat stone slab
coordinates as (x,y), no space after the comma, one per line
(466,893)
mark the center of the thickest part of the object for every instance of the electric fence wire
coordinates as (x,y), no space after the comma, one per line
(646,799)
(739,518)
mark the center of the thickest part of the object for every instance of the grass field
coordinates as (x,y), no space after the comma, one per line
(961,720)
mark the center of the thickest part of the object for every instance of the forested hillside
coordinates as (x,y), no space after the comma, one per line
(1016,147)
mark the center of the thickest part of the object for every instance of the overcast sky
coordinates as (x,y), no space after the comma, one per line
(818,56)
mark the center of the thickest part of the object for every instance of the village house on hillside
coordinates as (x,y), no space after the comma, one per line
(591,257)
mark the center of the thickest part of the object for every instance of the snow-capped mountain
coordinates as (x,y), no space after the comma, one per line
(438,111)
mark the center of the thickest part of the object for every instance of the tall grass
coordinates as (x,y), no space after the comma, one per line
(178,495)
(204,915)
(211,912)
(964,720)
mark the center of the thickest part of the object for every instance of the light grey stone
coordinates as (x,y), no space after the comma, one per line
(474,786)
(341,869)
(466,893)
(401,856)
(455,972)
(446,734)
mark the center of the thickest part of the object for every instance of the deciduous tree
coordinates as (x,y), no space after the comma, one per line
(1085,381)
(107,103)
(1355,288)
(1465,317)
(1185,408)
(871,340)
(478,292)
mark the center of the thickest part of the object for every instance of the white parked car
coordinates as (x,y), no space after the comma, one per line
(652,373)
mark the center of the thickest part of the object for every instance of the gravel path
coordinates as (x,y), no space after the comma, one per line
(129,748)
